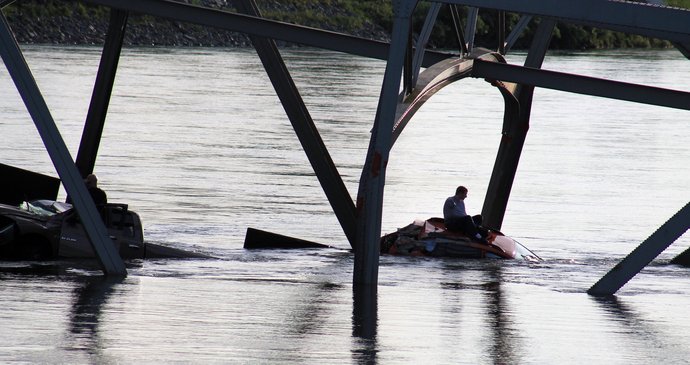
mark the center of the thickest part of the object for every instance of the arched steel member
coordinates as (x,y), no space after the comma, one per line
(448,71)
(391,117)
(438,76)
(518,103)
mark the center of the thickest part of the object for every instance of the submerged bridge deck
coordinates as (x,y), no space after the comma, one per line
(412,76)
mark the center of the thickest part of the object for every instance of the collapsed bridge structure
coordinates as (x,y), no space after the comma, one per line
(412,75)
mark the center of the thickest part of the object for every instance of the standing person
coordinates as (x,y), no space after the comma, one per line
(457,219)
(99,197)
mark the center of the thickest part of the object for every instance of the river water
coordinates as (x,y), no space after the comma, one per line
(197,143)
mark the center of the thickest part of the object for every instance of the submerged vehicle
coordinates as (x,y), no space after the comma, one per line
(47,229)
(431,238)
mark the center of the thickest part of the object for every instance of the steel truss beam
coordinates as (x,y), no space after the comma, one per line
(516,32)
(105,79)
(471,27)
(663,237)
(248,24)
(304,127)
(582,84)
(623,16)
(422,41)
(105,251)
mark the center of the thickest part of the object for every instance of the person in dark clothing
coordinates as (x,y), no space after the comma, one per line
(457,219)
(99,197)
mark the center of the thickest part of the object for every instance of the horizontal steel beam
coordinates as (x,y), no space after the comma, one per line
(582,84)
(263,27)
(637,18)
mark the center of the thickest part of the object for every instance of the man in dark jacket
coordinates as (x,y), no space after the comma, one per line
(99,197)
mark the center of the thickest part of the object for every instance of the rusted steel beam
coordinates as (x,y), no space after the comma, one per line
(372,182)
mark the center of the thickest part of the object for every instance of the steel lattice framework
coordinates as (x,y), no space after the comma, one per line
(361,219)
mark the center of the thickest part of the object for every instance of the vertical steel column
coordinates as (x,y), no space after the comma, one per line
(471,27)
(304,127)
(107,255)
(502,32)
(95,118)
(514,135)
(371,184)
(643,254)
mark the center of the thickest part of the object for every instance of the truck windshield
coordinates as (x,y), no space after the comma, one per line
(45,207)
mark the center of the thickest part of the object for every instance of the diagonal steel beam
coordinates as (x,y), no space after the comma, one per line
(640,257)
(107,255)
(105,79)
(517,31)
(459,36)
(248,24)
(583,84)
(624,16)
(422,41)
(304,127)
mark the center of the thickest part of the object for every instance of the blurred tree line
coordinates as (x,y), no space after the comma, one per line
(367,18)
(379,12)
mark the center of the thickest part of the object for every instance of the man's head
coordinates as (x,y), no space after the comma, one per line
(91,181)
(461,191)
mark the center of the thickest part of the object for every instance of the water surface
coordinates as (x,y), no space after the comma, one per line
(197,143)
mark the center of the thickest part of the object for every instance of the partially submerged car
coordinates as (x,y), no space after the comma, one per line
(431,238)
(46,229)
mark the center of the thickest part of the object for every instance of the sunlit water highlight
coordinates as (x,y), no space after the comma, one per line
(197,143)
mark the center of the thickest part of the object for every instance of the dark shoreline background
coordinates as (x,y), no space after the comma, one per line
(74,22)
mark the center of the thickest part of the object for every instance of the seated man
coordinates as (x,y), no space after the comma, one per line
(457,219)
(97,194)
(99,197)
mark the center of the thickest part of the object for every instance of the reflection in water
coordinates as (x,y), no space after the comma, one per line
(501,340)
(640,333)
(236,163)
(89,299)
(364,323)
(504,346)
(309,317)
